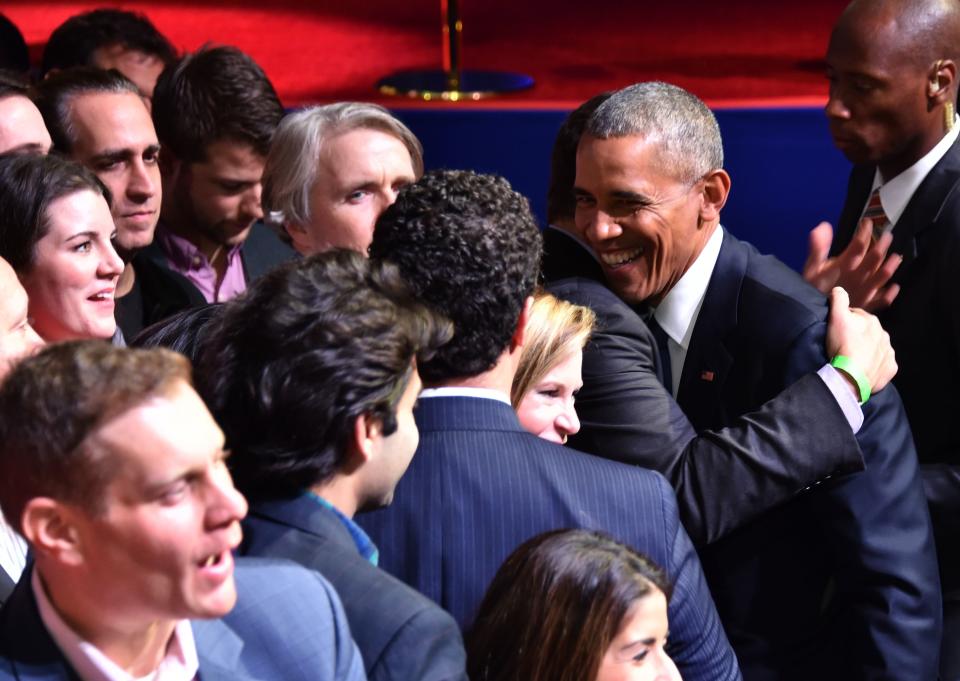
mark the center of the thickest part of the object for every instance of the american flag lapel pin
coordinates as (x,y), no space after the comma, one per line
(707,376)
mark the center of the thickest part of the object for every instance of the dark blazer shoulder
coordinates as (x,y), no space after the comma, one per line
(262,251)
(27,651)
(774,303)
(564,256)
(400,633)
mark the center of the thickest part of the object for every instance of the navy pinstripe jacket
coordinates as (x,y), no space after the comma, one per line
(480,485)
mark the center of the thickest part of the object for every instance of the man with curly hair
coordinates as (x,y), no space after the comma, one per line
(479,484)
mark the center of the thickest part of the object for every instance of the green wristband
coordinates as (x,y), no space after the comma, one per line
(850,368)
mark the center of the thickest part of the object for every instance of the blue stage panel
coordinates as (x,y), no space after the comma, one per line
(786,174)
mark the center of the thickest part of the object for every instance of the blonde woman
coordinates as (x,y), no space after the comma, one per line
(548,378)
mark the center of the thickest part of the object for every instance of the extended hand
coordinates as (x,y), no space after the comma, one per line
(858,335)
(863,269)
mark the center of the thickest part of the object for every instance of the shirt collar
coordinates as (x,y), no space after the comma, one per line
(361,539)
(179,664)
(485,393)
(896,192)
(184,254)
(677,312)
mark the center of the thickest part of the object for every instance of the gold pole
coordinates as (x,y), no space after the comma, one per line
(452,83)
(452,42)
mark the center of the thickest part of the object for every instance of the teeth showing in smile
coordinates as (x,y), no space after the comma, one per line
(621,257)
(102,296)
(210,561)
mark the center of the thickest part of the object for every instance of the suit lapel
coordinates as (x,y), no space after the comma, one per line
(708,360)
(926,203)
(25,641)
(218,651)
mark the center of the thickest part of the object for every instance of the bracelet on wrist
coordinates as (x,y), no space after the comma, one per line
(850,368)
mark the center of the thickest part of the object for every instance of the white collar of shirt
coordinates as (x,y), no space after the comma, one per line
(179,664)
(483,393)
(677,312)
(13,551)
(896,192)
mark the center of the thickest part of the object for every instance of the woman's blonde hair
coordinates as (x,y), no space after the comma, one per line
(555,329)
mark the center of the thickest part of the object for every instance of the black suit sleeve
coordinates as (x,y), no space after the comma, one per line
(879,530)
(722,478)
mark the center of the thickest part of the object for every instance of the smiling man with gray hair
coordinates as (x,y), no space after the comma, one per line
(841,582)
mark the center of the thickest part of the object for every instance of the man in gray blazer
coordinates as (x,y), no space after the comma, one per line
(114,472)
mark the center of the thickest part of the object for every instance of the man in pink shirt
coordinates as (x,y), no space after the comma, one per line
(215,113)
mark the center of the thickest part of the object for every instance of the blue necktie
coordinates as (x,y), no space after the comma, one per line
(661,337)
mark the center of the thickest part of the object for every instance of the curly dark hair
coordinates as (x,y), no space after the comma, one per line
(295,361)
(74,41)
(470,248)
(216,93)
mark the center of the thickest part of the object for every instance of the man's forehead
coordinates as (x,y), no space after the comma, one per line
(873,38)
(160,434)
(105,117)
(229,161)
(615,159)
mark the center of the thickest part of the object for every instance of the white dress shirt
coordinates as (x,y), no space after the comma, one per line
(13,551)
(179,664)
(896,192)
(458,391)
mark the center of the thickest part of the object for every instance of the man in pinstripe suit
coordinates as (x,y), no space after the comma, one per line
(479,484)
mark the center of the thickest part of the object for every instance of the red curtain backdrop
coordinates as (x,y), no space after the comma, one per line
(731,53)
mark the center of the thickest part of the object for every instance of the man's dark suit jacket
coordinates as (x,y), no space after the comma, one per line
(287,625)
(841,583)
(261,252)
(157,293)
(770,455)
(400,633)
(480,485)
(6,586)
(924,327)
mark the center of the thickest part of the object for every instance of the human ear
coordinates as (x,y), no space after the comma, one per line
(940,81)
(520,332)
(716,188)
(169,164)
(367,435)
(51,530)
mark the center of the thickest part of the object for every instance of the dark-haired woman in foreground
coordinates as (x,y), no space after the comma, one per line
(573,605)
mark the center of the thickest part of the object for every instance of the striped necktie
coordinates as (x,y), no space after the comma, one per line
(875,212)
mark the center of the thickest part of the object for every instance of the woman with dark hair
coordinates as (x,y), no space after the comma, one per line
(56,231)
(573,605)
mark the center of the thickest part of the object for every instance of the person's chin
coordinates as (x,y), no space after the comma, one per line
(553,436)
(102,327)
(234,236)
